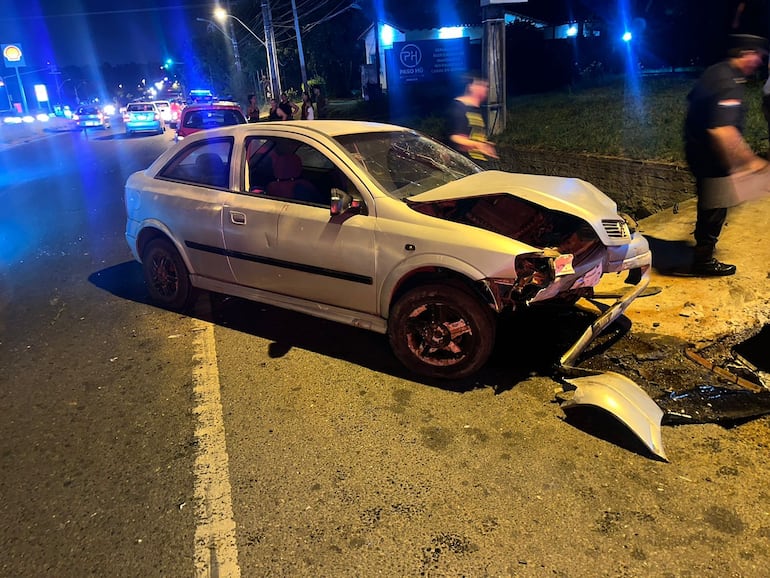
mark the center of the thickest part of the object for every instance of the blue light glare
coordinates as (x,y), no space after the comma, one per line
(627,36)
(572,31)
(386,35)
(450,32)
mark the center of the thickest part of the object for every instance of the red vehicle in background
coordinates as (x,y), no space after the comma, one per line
(208,115)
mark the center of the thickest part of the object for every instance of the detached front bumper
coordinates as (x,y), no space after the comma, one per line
(610,391)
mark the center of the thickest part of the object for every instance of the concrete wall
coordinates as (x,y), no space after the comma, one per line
(640,188)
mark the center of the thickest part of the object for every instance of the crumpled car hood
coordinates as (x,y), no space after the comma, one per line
(493,202)
(569,195)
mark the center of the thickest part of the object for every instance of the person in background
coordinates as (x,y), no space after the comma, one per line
(288,107)
(306,110)
(252,110)
(715,147)
(275,112)
(319,101)
(467,128)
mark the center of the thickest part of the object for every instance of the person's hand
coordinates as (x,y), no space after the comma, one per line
(757,164)
(488,149)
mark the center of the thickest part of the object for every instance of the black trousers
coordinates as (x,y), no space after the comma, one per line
(708,226)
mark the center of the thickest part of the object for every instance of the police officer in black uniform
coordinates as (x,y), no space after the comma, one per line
(714,143)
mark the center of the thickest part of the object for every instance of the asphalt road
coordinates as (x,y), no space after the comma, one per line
(245,440)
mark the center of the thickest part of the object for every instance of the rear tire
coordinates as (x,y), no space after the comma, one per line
(442,331)
(166,276)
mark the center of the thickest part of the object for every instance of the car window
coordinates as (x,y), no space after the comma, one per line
(213,118)
(141,107)
(291,170)
(204,163)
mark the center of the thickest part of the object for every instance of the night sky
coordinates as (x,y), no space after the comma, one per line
(89,33)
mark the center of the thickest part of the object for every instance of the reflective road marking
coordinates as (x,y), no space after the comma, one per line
(216,551)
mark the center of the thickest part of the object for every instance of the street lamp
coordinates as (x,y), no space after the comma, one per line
(221,14)
(275,82)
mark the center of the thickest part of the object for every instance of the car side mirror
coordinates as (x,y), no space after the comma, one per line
(342,202)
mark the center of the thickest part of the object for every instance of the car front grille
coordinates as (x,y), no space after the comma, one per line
(616,229)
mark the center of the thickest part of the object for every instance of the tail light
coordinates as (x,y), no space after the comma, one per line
(157,116)
(75,117)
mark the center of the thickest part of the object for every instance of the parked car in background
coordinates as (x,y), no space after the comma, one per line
(196,117)
(164,107)
(90,116)
(373,225)
(143,117)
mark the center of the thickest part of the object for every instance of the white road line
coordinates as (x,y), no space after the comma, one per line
(216,551)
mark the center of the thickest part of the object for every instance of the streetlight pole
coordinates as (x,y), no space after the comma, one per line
(302,70)
(272,59)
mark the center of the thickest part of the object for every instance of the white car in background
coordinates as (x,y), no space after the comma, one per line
(164,107)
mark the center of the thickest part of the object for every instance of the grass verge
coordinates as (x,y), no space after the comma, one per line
(639,118)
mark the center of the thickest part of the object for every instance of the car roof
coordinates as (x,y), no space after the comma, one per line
(210,105)
(327,128)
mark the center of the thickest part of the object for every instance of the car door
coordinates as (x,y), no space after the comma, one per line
(189,193)
(293,246)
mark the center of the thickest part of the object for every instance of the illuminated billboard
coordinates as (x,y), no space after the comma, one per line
(422,61)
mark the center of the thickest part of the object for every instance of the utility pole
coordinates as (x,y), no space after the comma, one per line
(272,61)
(493,55)
(303,72)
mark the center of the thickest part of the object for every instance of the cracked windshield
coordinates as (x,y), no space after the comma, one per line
(405,163)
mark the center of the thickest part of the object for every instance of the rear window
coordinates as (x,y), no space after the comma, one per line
(205,163)
(213,118)
(88,110)
(141,107)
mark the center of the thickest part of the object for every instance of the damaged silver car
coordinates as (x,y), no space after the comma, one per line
(376,226)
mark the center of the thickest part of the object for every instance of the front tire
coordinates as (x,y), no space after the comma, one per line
(166,276)
(442,331)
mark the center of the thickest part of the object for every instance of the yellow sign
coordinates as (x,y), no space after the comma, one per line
(12,53)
